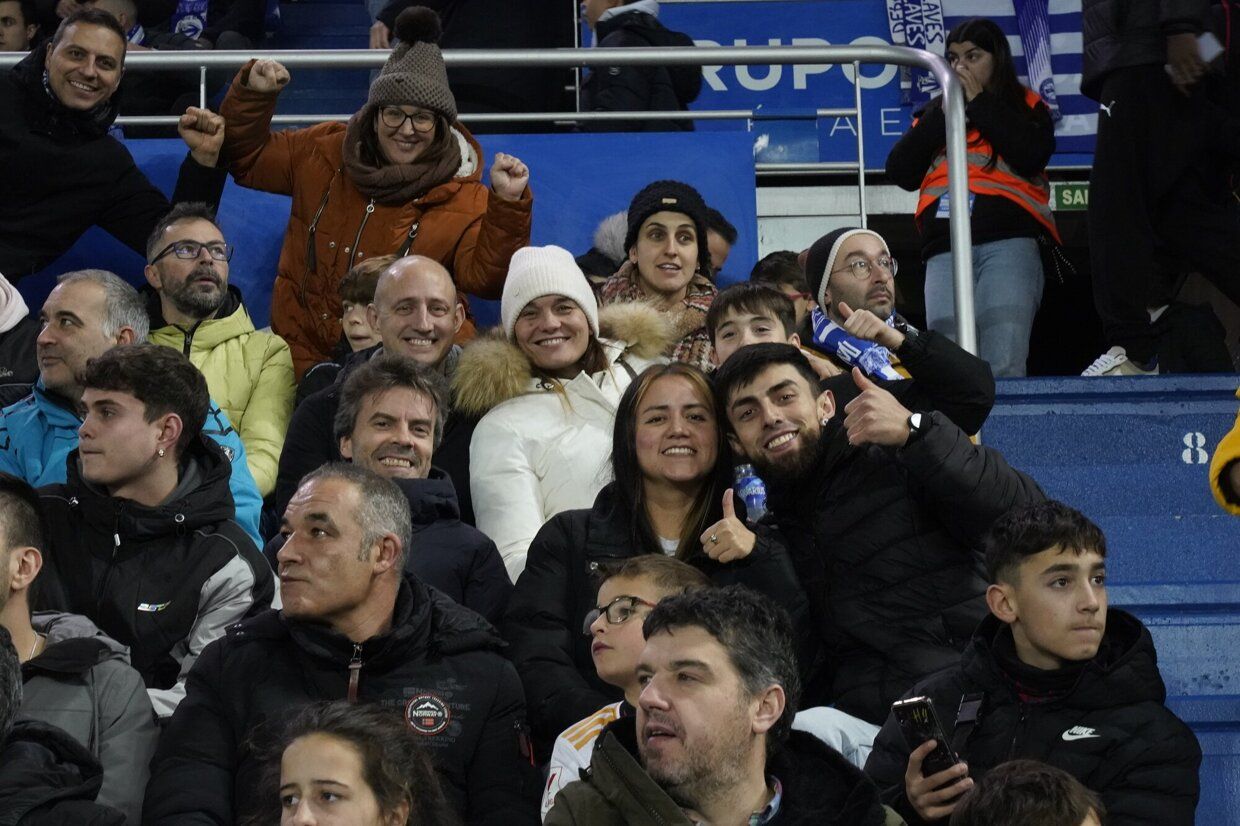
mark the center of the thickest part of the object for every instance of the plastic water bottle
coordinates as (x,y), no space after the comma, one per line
(750,487)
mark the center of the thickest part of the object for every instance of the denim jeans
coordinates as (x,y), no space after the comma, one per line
(1007,288)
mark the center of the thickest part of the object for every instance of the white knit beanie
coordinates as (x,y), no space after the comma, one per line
(539,271)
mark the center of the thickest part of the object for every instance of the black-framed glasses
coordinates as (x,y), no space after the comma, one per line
(394,117)
(861,268)
(619,611)
(189,250)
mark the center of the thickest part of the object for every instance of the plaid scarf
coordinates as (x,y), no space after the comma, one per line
(688,320)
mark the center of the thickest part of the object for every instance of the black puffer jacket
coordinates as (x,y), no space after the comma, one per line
(437,653)
(640,88)
(447,554)
(50,779)
(81,176)
(887,546)
(164,580)
(311,441)
(820,787)
(1111,731)
(557,589)
(1121,33)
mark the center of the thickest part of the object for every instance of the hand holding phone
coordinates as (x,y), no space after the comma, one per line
(935,776)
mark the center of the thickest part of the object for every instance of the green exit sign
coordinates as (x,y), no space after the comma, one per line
(1070,196)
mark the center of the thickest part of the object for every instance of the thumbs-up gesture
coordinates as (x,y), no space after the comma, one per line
(203,132)
(875,417)
(864,324)
(728,539)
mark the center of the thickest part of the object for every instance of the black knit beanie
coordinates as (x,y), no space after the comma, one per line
(670,196)
(821,259)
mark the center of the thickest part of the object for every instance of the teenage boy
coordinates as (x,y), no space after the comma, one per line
(1053,675)
(625,596)
(1032,794)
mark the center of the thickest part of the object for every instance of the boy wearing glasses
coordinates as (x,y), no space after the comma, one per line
(195,310)
(625,596)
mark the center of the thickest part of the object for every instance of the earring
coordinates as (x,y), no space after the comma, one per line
(161,452)
(824,424)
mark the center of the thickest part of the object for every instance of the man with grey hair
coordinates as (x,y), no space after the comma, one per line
(390,420)
(88,313)
(354,625)
(417,314)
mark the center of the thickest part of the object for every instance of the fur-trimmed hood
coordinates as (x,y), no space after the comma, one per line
(493,370)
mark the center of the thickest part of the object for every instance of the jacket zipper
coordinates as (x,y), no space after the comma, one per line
(107,573)
(357,239)
(1020,724)
(610,764)
(355,672)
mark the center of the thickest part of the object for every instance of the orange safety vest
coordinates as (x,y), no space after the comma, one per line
(1033,194)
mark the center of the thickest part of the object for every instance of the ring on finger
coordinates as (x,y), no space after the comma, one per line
(714,540)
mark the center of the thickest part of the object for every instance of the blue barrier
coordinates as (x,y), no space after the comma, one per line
(577,180)
(1133,455)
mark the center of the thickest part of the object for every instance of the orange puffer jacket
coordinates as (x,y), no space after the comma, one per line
(471,234)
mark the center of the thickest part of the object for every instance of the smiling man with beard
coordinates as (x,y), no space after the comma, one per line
(712,742)
(883,510)
(194,309)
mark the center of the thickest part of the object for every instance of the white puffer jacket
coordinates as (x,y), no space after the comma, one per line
(537,451)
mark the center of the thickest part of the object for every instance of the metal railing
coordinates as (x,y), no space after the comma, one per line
(957,178)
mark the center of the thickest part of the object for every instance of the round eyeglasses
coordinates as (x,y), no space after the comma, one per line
(189,250)
(619,611)
(394,117)
(861,268)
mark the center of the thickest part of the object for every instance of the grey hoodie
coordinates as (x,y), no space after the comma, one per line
(83,684)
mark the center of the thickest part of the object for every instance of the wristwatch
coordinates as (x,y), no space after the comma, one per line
(914,427)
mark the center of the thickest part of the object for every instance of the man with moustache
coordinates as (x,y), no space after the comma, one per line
(884,511)
(195,310)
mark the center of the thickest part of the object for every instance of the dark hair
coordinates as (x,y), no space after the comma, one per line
(779,268)
(1029,793)
(1031,529)
(10,684)
(30,13)
(358,284)
(159,377)
(988,37)
(716,221)
(755,631)
(629,486)
(384,372)
(90,17)
(758,299)
(368,143)
(21,525)
(183,211)
(665,572)
(748,362)
(394,765)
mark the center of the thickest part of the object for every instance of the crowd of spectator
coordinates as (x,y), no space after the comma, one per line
(380,565)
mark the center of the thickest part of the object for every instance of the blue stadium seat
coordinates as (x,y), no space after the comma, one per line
(1133,454)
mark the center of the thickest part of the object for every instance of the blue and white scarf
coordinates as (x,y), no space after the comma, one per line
(1035,39)
(873,358)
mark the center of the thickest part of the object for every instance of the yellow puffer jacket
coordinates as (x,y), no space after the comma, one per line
(1225,456)
(249,374)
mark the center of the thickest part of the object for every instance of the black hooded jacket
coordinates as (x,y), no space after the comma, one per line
(1110,730)
(1117,34)
(438,669)
(49,779)
(447,554)
(164,580)
(639,88)
(819,787)
(79,176)
(557,589)
(887,546)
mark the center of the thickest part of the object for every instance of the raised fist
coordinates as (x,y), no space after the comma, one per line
(203,132)
(509,177)
(268,76)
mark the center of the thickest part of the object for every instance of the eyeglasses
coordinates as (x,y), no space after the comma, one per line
(189,250)
(860,269)
(394,117)
(619,611)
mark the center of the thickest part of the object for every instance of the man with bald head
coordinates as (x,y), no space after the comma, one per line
(417,313)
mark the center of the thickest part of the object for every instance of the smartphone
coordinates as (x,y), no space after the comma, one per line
(919,723)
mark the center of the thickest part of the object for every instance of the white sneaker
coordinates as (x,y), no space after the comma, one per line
(1115,362)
